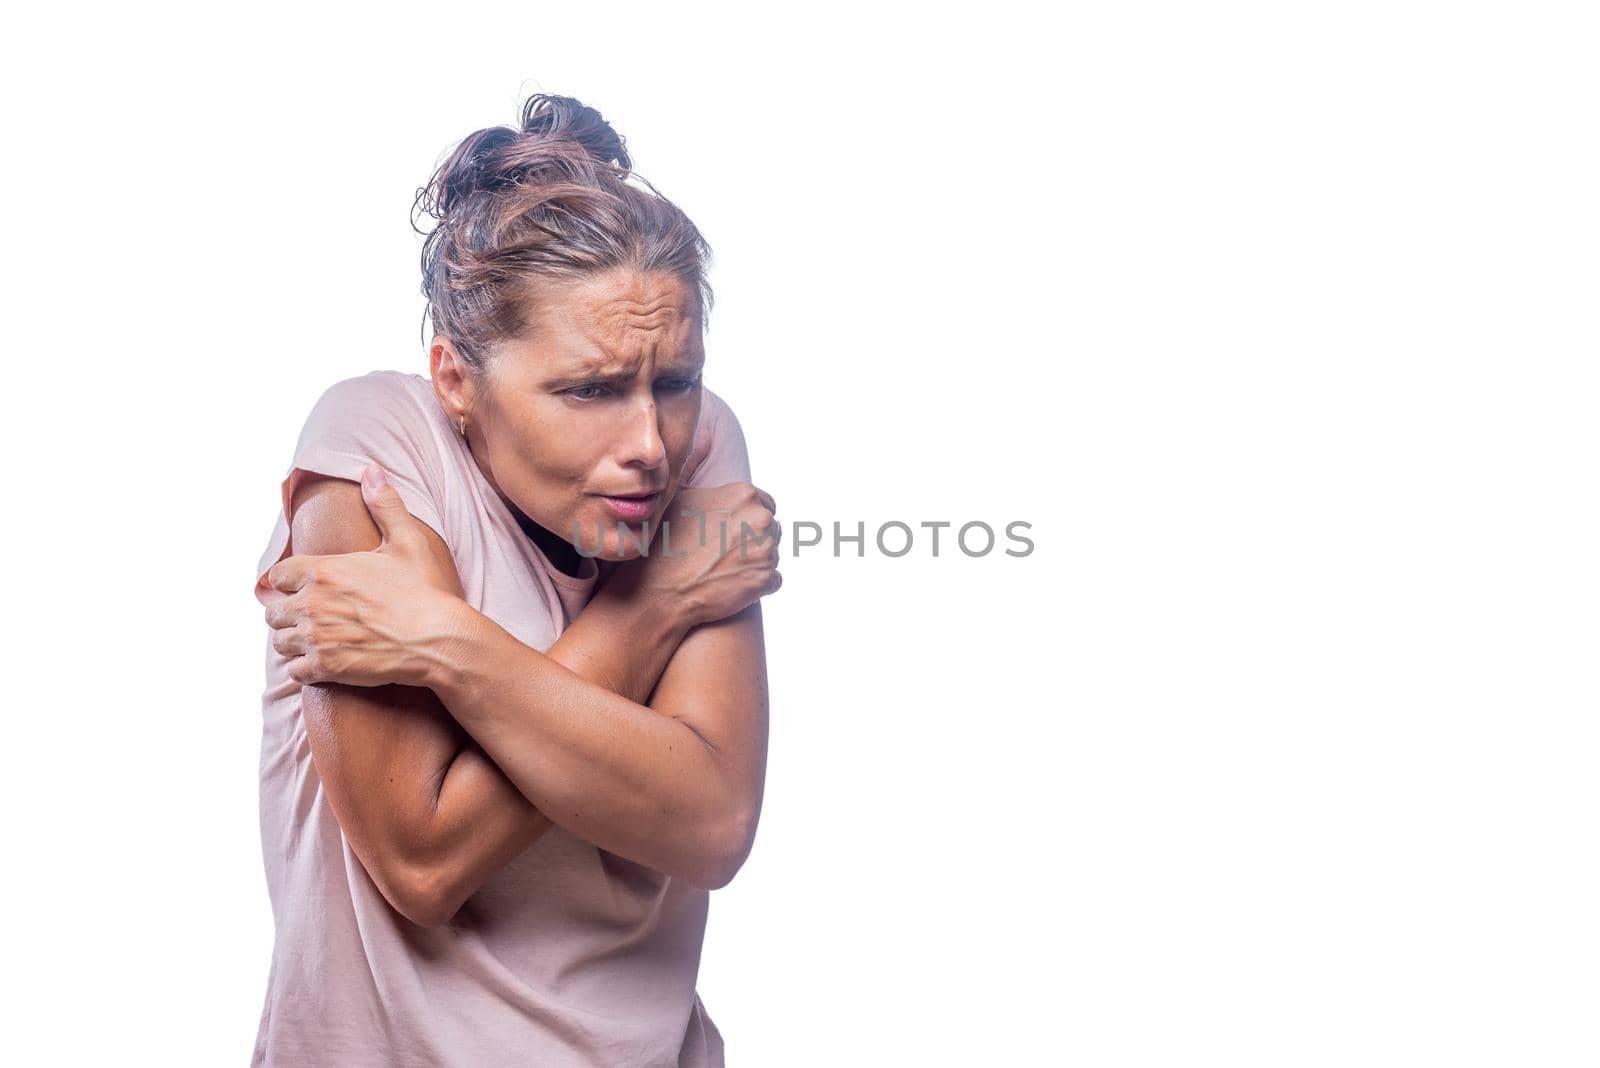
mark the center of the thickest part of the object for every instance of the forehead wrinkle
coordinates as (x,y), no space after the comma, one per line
(621,350)
(636,326)
(628,316)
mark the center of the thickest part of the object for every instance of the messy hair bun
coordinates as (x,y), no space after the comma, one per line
(553,198)
(563,118)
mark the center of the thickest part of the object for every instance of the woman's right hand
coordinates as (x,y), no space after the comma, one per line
(702,563)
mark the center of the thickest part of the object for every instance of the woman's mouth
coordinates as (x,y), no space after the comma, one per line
(633,508)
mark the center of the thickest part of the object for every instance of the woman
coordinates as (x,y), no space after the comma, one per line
(516,712)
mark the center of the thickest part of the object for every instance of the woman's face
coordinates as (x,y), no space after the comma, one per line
(584,424)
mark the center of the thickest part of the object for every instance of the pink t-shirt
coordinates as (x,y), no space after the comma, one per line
(569,955)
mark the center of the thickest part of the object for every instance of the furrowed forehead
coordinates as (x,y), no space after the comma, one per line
(607,324)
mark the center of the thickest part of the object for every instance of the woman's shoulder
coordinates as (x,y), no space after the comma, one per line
(383,404)
(381,416)
(719,454)
(719,405)
(375,388)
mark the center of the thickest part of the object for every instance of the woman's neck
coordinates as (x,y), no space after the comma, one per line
(561,552)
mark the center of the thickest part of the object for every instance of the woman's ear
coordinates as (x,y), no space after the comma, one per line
(453,380)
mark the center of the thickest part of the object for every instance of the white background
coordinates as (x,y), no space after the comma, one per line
(1276,321)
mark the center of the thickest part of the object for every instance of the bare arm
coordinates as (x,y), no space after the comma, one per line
(428,813)
(675,785)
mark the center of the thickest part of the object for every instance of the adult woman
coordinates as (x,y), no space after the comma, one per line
(502,768)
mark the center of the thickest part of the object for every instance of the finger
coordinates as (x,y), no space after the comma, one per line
(775,582)
(385,505)
(303,671)
(286,611)
(766,500)
(288,642)
(289,575)
(313,666)
(299,670)
(267,595)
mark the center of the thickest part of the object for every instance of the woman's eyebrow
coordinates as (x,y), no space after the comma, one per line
(691,362)
(594,365)
(603,367)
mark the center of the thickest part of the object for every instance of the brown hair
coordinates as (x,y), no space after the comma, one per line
(547,202)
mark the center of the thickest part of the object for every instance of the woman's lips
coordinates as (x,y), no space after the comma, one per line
(633,507)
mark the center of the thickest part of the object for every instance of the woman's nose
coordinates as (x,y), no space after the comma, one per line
(645,448)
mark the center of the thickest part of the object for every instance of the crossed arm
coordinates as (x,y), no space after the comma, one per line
(634,731)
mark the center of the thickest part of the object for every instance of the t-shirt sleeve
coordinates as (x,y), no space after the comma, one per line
(719,455)
(372,418)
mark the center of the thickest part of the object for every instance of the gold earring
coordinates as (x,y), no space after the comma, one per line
(463,426)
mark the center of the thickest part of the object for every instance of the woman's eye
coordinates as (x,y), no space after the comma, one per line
(681,385)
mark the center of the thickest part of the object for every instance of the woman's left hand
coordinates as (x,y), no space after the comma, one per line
(366,618)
